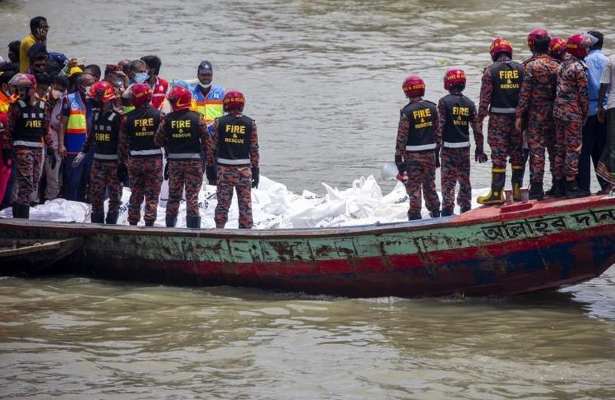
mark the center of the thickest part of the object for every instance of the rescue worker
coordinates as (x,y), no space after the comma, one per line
(184,136)
(143,155)
(570,110)
(535,111)
(159,86)
(73,132)
(499,95)
(456,114)
(557,50)
(234,148)
(6,99)
(417,148)
(106,170)
(28,123)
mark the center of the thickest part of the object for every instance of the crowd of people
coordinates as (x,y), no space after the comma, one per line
(560,100)
(80,132)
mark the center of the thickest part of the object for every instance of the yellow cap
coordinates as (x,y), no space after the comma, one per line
(74,70)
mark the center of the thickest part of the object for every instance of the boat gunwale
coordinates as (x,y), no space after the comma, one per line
(497,215)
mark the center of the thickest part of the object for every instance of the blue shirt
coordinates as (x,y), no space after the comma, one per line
(596,62)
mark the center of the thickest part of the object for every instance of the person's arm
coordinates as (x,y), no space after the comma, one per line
(524,100)
(486,89)
(123,142)
(605,83)
(212,144)
(400,144)
(160,139)
(254,153)
(477,129)
(583,95)
(204,136)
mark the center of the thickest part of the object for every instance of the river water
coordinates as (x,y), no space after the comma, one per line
(322,79)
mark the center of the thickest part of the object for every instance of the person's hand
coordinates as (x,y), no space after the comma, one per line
(62,151)
(255,177)
(78,159)
(210,171)
(7,157)
(402,177)
(73,62)
(480,156)
(601,115)
(53,160)
(401,167)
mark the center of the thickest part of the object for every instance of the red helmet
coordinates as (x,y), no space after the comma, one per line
(103,91)
(536,33)
(557,47)
(180,98)
(500,45)
(454,77)
(234,101)
(23,80)
(577,45)
(413,86)
(141,94)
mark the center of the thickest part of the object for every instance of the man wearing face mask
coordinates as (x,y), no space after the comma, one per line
(6,99)
(159,86)
(73,131)
(137,72)
(59,87)
(107,171)
(28,121)
(38,34)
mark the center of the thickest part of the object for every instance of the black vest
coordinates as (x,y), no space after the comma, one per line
(141,125)
(421,116)
(506,77)
(234,138)
(183,134)
(30,124)
(459,113)
(106,128)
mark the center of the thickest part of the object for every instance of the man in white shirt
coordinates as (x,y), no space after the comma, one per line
(606,165)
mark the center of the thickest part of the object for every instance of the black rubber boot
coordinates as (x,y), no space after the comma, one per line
(193,222)
(573,190)
(149,223)
(496,194)
(111,218)
(435,214)
(465,209)
(18,211)
(25,212)
(517,181)
(97,218)
(536,191)
(171,221)
(447,212)
(413,216)
(558,189)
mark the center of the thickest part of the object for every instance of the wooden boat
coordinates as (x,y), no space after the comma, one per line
(27,257)
(506,250)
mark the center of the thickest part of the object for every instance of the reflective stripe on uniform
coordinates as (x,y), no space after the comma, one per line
(99,156)
(502,110)
(456,145)
(184,156)
(241,161)
(38,145)
(151,152)
(430,146)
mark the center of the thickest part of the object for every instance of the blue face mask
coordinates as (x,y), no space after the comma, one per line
(141,77)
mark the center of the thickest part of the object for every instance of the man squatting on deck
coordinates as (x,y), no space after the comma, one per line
(116,131)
